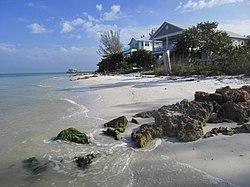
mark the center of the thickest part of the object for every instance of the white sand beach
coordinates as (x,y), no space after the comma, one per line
(225,158)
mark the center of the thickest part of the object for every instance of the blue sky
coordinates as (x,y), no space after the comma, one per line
(54,35)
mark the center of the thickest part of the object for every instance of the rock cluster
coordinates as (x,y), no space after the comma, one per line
(245,128)
(73,135)
(116,126)
(185,120)
(233,104)
(222,130)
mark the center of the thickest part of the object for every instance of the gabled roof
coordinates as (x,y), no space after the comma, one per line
(142,39)
(183,27)
(235,35)
(179,26)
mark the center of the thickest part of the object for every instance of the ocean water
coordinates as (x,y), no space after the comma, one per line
(34,108)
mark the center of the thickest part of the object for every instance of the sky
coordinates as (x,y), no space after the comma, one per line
(55,35)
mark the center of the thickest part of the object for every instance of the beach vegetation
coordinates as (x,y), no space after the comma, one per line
(141,59)
(111,63)
(204,38)
(110,43)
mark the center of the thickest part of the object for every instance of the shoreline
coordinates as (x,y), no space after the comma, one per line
(223,157)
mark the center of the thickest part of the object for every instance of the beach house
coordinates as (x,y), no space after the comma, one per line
(142,43)
(168,33)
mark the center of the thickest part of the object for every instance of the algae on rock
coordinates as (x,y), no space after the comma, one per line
(34,165)
(114,132)
(73,135)
(83,161)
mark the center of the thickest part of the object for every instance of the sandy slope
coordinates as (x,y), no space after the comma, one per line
(224,157)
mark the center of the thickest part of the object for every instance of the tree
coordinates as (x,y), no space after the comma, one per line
(111,63)
(152,31)
(204,38)
(141,59)
(110,43)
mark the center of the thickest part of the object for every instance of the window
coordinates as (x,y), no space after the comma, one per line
(146,43)
(241,43)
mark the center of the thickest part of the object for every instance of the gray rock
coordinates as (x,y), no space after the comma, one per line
(233,111)
(222,130)
(134,121)
(118,122)
(114,132)
(234,95)
(146,114)
(245,128)
(213,118)
(146,134)
(35,166)
(184,120)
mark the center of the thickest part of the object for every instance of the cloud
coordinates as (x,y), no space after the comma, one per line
(37,28)
(67,27)
(238,26)
(114,14)
(78,21)
(63,50)
(95,30)
(7,48)
(192,5)
(99,7)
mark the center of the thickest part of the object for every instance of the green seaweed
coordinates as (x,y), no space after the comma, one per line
(83,161)
(34,165)
(73,135)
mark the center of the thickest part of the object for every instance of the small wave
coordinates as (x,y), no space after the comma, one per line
(81,107)
(99,98)
(43,86)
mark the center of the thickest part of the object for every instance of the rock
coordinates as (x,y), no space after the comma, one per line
(233,111)
(114,132)
(83,161)
(118,122)
(146,114)
(213,118)
(234,95)
(201,96)
(73,135)
(224,94)
(223,130)
(216,97)
(208,135)
(34,165)
(246,107)
(184,120)
(146,134)
(134,121)
(200,111)
(245,128)
(206,97)
(190,131)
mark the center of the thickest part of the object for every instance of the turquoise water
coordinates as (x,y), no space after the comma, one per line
(34,108)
